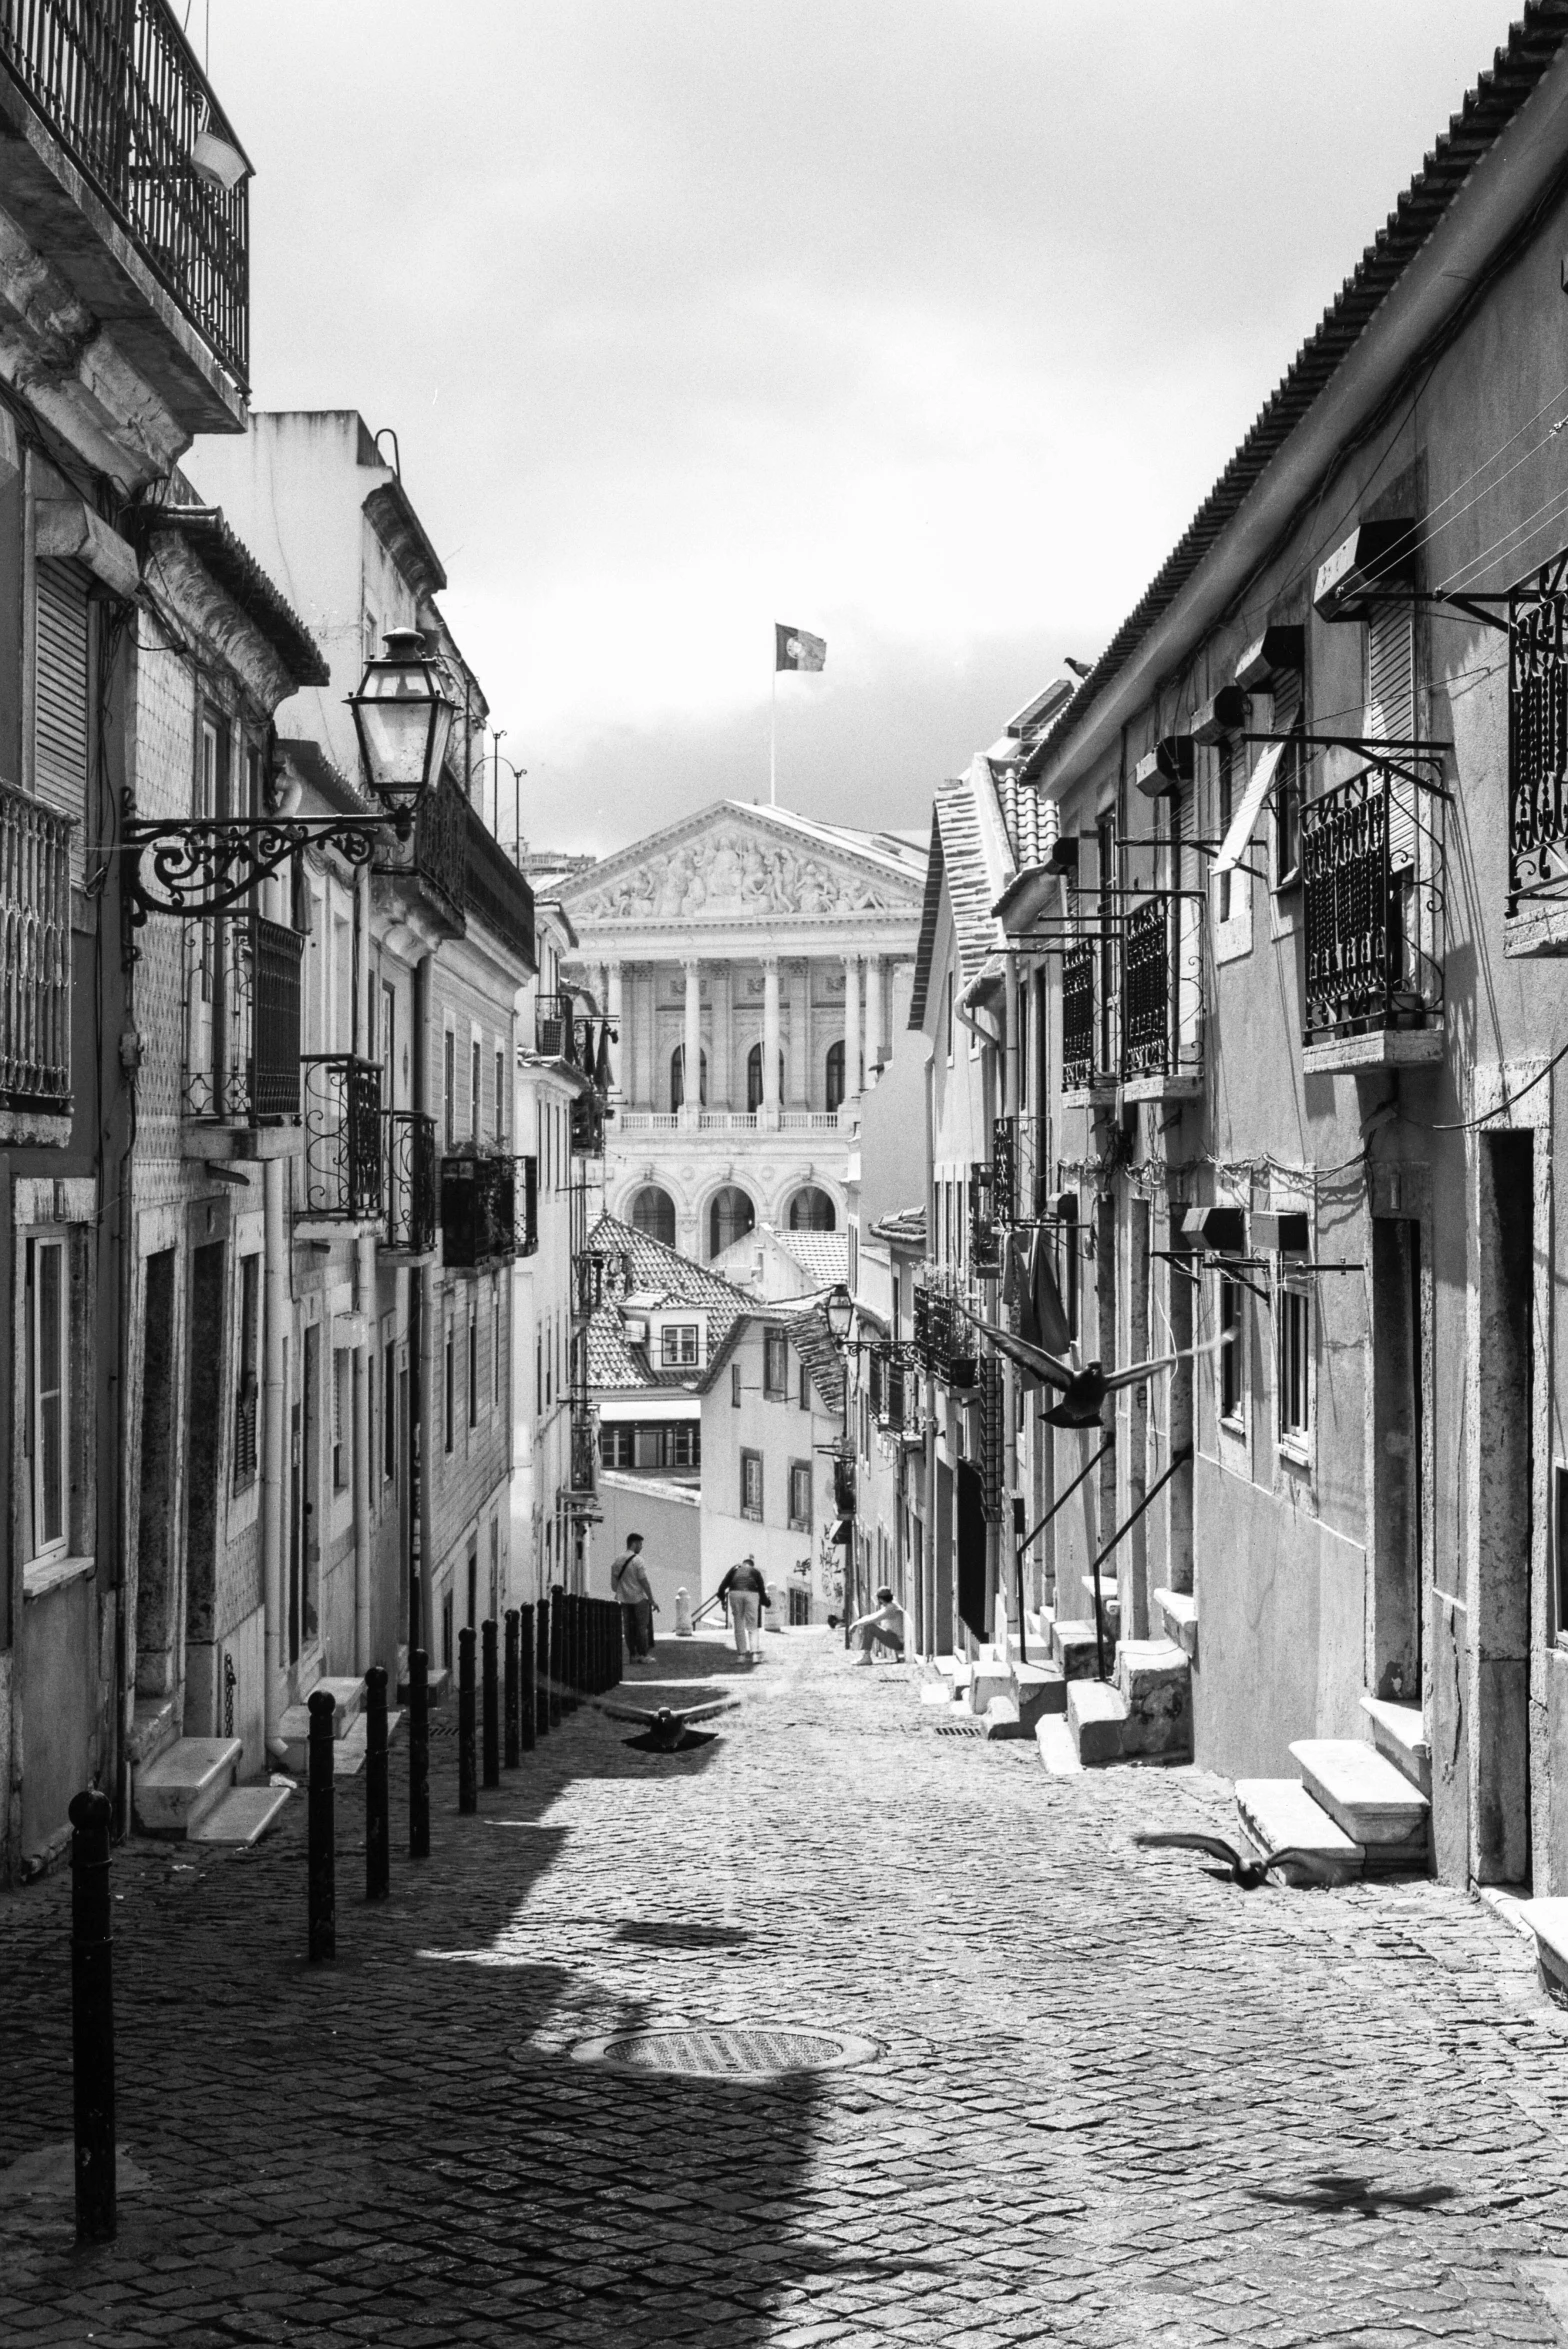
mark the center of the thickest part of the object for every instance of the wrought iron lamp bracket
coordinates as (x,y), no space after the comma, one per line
(210,864)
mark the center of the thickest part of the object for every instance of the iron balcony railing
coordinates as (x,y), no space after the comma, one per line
(1372,864)
(584,1484)
(1162,980)
(35,955)
(1080,1025)
(120,89)
(411,1181)
(478,1210)
(441,845)
(525,1206)
(1538,737)
(242,1021)
(943,1340)
(497,894)
(562,1032)
(343,1170)
(588,1278)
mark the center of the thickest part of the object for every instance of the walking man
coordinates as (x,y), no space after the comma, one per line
(747,1594)
(629,1584)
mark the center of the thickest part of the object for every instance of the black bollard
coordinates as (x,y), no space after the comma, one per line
(492,1701)
(419,1755)
(528,1666)
(378,1829)
(542,1651)
(513,1706)
(617,1647)
(467,1760)
(92,2016)
(323,1895)
(601,1662)
(557,1652)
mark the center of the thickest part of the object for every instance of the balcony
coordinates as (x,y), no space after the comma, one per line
(240,1095)
(1372,903)
(121,98)
(435,861)
(343,1171)
(588,1271)
(943,1340)
(35,971)
(478,1211)
(1162,998)
(1088,1076)
(1537,905)
(581,1496)
(525,1202)
(561,1032)
(497,894)
(412,1221)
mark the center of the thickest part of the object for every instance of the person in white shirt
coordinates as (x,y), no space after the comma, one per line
(630,1585)
(885,1627)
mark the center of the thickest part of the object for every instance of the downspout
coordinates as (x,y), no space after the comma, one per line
(274,1306)
(422,1310)
(365,1307)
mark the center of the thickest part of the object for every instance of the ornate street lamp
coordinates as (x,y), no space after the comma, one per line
(839,1307)
(403,714)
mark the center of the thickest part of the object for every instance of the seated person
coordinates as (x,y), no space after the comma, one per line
(883,1628)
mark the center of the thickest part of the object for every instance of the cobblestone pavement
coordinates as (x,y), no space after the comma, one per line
(1117,2100)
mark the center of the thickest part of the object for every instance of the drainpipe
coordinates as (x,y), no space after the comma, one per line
(365,1307)
(274,1307)
(422,1305)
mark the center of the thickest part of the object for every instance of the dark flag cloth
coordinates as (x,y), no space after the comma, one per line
(974,1594)
(1043,1303)
(794,649)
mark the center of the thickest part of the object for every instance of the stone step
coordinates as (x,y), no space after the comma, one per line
(1110,1599)
(154,1728)
(1001,1719)
(1097,1717)
(348,1697)
(1178,1610)
(176,1792)
(1074,1651)
(242,1815)
(1037,1689)
(1548,1922)
(1399,1733)
(1154,1679)
(1057,1750)
(349,1752)
(1374,1803)
(1278,1814)
(989,1679)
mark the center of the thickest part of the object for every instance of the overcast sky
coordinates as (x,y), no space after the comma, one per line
(923,324)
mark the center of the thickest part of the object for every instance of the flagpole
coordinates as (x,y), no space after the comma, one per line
(773,739)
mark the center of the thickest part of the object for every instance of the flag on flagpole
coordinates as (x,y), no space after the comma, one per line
(794,649)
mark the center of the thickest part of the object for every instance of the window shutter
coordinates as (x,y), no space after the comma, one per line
(60,698)
(1391,714)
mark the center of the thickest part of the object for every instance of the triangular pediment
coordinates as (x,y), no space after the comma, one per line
(732,863)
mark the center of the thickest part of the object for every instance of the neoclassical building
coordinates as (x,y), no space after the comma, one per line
(774,955)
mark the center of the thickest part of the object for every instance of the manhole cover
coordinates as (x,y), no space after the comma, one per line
(739,2053)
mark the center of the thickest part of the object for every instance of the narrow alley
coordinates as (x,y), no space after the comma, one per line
(1324,2117)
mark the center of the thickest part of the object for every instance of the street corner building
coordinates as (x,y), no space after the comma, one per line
(295,1142)
(1237,1010)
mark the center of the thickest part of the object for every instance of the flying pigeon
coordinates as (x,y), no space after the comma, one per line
(1083,1392)
(1249,1874)
(666,1731)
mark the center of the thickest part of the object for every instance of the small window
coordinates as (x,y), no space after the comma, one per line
(475,1088)
(800,1494)
(450,1397)
(449,1087)
(495,1344)
(342,1417)
(735,1386)
(833,1079)
(775,1364)
(473,1368)
(616,1444)
(389,1412)
(1295,1366)
(500,1093)
(678,1345)
(751,1485)
(805,1388)
(48,1360)
(1231,1366)
(247,1376)
(685,1444)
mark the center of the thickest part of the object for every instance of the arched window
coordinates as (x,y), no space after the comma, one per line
(730,1218)
(754,1077)
(811,1210)
(835,1088)
(653,1212)
(678,1078)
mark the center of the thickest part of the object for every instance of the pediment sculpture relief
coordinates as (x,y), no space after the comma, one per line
(736,873)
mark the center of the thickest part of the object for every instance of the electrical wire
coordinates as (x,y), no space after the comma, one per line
(1473,1125)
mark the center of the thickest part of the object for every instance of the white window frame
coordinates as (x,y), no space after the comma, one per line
(676,1356)
(1295,1442)
(58,1242)
(1233,1427)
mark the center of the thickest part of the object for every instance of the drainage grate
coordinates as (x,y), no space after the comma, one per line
(728,2053)
(959,1729)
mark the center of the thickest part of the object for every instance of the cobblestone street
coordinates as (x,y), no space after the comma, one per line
(1116,2099)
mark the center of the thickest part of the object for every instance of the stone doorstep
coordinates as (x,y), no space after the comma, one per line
(1073,1649)
(1548,1923)
(988,1681)
(1001,1719)
(1154,1679)
(1363,1794)
(350,1753)
(1399,1733)
(1277,1814)
(1097,1717)
(1110,1597)
(1179,1612)
(241,1815)
(153,1729)
(175,1793)
(1055,1742)
(1038,1689)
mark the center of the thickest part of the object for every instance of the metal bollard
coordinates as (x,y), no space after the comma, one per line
(419,1755)
(618,1649)
(492,1704)
(512,1710)
(378,1826)
(467,1760)
(92,2016)
(528,1664)
(542,1652)
(323,1890)
(557,1652)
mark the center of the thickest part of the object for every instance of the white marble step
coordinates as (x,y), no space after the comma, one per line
(1374,1803)
(1057,1750)
(1399,1733)
(175,1793)
(1178,1610)
(241,1815)
(1097,1717)
(1548,1922)
(1278,1814)
(349,1752)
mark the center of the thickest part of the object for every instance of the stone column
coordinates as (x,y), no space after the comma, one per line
(770,1042)
(619,1055)
(876,1010)
(692,1067)
(851,1026)
(721,1068)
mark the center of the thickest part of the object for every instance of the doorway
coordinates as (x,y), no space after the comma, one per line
(202,1448)
(1401,1416)
(943,1609)
(157,1549)
(304,1537)
(1505,1467)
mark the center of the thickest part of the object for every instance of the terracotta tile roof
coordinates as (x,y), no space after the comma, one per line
(646,1270)
(972,856)
(822,1256)
(808,1335)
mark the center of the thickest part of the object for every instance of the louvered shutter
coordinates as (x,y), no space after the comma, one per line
(60,698)
(1391,714)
